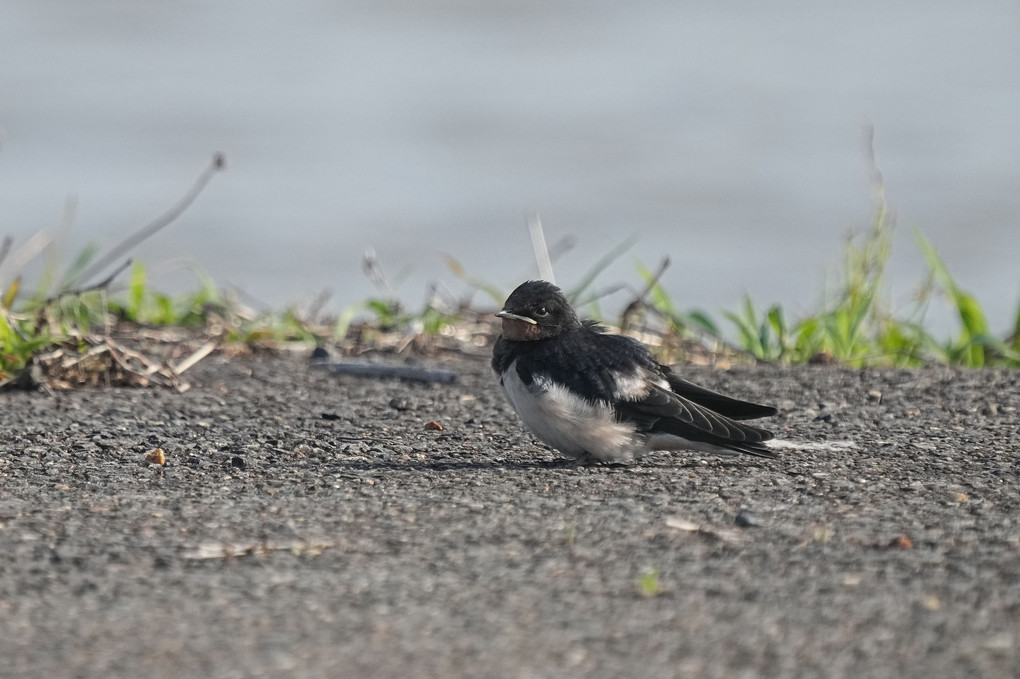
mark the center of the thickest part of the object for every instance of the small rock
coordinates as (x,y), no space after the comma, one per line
(745,520)
(156,456)
(823,358)
(678,523)
(901,542)
(433,426)
(999,643)
(875,396)
(237,461)
(400,403)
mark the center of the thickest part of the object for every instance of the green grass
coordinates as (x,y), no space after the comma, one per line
(648,584)
(854,323)
(61,313)
(145,306)
(19,341)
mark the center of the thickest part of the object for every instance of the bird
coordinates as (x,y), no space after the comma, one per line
(599,397)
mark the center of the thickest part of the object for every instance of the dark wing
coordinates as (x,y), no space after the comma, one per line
(724,405)
(665,412)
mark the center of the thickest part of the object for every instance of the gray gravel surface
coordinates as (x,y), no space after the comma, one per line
(310,525)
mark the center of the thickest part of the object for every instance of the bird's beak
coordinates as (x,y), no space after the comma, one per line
(514,317)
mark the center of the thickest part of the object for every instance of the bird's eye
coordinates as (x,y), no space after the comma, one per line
(541,312)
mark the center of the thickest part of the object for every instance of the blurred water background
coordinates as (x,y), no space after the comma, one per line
(728,135)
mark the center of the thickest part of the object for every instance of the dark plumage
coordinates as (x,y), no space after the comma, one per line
(602,397)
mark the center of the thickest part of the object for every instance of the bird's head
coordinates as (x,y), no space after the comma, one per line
(537,310)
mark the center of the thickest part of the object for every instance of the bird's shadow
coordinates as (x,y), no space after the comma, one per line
(458,465)
(559,464)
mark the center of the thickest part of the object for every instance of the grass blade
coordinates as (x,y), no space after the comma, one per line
(11,294)
(600,266)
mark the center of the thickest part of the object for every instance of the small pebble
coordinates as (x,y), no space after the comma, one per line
(902,542)
(745,520)
(400,403)
(156,456)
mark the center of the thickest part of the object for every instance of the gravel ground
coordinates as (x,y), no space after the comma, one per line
(309,525)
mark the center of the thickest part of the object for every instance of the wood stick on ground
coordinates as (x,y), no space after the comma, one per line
(194,357)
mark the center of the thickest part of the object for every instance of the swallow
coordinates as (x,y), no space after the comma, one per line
(601,397)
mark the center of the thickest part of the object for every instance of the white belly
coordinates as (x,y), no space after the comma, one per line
(571,424)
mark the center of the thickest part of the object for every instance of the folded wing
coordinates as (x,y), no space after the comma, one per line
(662,411)
(724,405)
